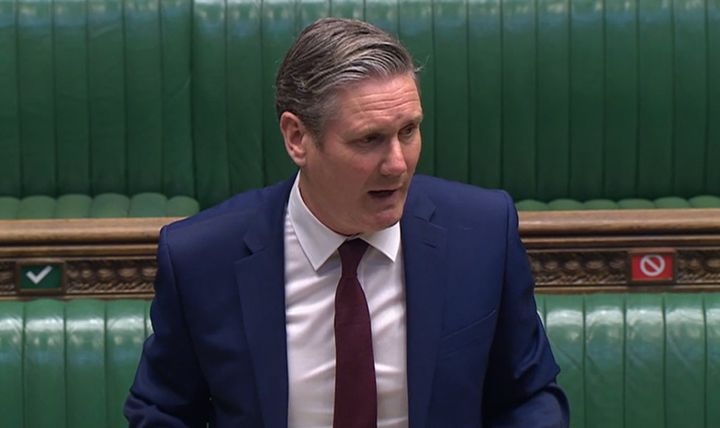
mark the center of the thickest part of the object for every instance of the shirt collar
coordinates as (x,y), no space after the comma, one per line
(318,242)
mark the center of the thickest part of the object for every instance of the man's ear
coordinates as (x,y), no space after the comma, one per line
(296,137)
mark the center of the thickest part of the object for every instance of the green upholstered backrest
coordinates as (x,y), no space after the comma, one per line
(580,99)
(95,97)
(666,202)
(628,360)
(104,205)
(68,364)
(637,360)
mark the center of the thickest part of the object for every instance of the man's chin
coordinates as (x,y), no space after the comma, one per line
(385,220)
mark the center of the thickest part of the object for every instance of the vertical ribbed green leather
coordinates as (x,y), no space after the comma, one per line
(125,334)
(586,100)
(85,365)
(644,349)
(36,207)
(8,208)
(637,360)
(565,327)
(44,380)
(72,127)
(311,10)
(553,99)
(72,206)
(279,28)
(541,310)
(147,205)
(690,89)
(712,376)
(178,163)
(10,140)
(350,9)
(685,362)
(484,92)
(143,95)
(244,88)
(109,205)
(12,342)
(95,97)
(604,356)
(621,99)
(181,206)
(713,96)
(106,88)
(210,101)
(655,77)
(549,98)
(381,13)
(451,85)
(518,104)
(416,32)
(69,364)
(148,321)
(35,91)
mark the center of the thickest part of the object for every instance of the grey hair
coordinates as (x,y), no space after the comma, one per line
(330,54)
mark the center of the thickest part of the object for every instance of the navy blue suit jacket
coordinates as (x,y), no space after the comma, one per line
(477,353)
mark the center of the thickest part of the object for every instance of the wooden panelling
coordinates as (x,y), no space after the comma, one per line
(569,252)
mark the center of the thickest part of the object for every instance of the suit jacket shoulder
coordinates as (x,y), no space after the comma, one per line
(225,225)
(459,203)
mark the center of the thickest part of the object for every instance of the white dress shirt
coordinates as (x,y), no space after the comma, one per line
(312,272)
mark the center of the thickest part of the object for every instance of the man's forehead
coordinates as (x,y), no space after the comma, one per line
(355,85)
(380,94)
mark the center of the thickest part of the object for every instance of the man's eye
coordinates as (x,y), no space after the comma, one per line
(408,131)
(370,140)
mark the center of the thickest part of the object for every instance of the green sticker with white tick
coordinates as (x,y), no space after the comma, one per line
(41,277)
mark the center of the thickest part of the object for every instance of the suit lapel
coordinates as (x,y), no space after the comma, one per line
(424,253)
(260,278)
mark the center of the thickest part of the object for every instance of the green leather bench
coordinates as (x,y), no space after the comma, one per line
(568,104)
(628,360)
(105,205)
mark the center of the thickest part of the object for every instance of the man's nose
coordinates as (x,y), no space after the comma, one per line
(394,163)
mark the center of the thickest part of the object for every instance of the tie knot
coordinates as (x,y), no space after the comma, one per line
(351,252)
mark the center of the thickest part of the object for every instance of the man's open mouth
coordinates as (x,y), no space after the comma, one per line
(381,194)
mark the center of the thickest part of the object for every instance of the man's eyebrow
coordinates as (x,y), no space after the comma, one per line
(381,130)
(415,120)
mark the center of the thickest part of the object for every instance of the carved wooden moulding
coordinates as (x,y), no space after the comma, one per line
(699,267)
(663,268)
(99,277)
(104,258)
(7,278)
(567,268)
(633,250)
(118,276)
(554,271)
(569,252)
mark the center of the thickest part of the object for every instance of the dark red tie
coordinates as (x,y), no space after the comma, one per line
(355,389)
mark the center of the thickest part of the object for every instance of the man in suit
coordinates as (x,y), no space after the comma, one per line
(354,294)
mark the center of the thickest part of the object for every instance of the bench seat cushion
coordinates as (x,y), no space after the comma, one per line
(637,360)
(106,205)
(640,360)
(702,201)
